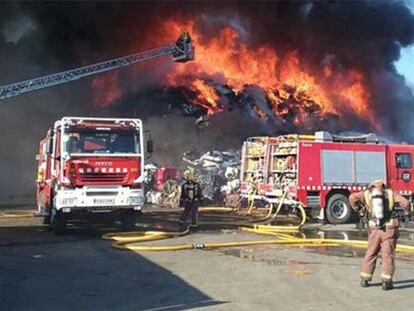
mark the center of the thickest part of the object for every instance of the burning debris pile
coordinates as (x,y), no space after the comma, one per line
(216,171)
(279,88)
(288,108)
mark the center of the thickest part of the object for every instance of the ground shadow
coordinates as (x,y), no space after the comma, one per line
(401,284)
(79,271)
(404,284)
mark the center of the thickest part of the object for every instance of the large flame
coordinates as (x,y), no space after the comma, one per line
(225,59)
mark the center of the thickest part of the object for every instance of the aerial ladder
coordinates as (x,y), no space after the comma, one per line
(181,51)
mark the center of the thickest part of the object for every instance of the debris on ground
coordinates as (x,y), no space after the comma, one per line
(162,185)
(217,172)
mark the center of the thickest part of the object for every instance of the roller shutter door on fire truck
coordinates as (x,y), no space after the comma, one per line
(352,167)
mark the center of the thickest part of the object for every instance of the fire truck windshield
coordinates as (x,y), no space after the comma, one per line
(102,142)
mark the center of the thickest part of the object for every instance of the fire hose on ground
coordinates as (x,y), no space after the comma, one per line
(18,214)
(129,240)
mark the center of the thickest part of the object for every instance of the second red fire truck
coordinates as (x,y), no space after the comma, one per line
(320,171)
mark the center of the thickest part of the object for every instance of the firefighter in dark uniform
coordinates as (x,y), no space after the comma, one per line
(183,40)
(377,205)
(191,197)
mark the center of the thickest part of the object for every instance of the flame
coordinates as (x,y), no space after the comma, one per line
(294,90)
(226,60)
(207,96)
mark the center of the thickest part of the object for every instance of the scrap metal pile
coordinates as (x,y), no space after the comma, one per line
(216,171)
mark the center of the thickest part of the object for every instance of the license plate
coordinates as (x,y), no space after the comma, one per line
(104,201)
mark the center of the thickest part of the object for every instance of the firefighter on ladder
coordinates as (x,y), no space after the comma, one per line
(191,196)
(377,205)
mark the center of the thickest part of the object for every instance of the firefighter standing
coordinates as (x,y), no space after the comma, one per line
(191,196)
(377,205)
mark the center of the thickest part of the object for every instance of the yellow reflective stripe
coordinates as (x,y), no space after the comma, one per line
(367,276)
(367,199)
(390,222)
(386,276)
(390,197)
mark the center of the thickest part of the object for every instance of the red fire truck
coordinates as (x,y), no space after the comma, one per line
(320,171)
(89,166)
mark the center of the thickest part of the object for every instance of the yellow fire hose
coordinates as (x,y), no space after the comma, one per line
(17,214)
(128,241)
(250,200)
(280,206)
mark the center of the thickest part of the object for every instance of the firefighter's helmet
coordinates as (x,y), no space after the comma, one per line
(189,174)
(378,183)
(185,36)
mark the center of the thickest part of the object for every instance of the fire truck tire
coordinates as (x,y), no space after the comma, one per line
(46,220)
(128,221)
(57,221)
(338,209)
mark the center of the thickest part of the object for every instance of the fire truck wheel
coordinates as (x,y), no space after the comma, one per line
(46,220)
(128,221)
(338,209)
(57,221)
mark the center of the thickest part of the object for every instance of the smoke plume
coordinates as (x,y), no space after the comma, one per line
(337,43)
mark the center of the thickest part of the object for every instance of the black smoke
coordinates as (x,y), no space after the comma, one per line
(40,38)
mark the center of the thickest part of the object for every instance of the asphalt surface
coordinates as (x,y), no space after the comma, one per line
(80,271)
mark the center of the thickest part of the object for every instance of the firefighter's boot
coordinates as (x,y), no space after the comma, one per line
(194,228)
(387,285)
(364,283)
(182,226)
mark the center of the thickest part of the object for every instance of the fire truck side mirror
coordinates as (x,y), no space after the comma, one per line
(150,146)
(37,157)
(49,146)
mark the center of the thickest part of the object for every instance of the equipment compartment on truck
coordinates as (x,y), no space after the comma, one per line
(320,171)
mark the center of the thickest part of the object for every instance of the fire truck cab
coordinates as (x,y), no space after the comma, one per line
(320,171)
(90,166)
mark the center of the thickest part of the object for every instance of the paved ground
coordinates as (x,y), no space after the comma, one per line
(79,271)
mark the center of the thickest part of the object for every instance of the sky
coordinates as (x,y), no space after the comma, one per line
(405,65)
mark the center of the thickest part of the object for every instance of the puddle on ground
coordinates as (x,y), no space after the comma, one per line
(348,251)
(257,254)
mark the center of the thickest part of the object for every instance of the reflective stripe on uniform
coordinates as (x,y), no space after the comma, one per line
(386,276)
(368,201)
(366,276)
(389,195)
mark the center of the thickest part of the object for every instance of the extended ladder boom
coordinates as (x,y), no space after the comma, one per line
(182,51)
